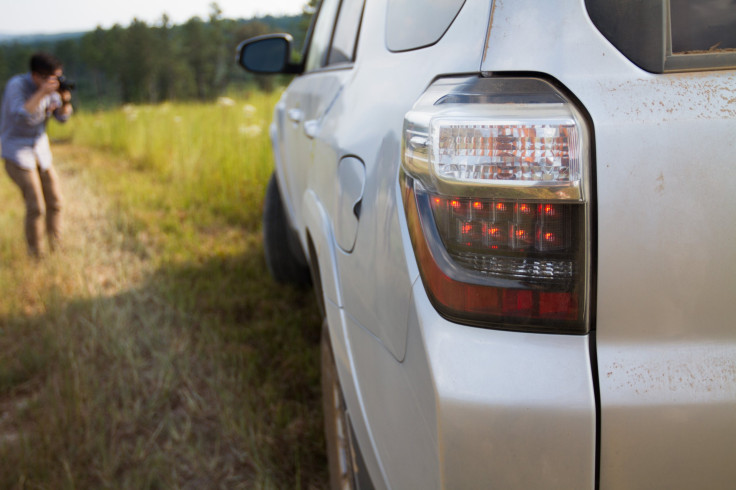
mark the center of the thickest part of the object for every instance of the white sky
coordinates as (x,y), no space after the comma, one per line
(56,16)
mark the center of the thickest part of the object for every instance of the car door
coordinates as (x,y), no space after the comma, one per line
(303,107)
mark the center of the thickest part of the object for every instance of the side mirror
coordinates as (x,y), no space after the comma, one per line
(267,54)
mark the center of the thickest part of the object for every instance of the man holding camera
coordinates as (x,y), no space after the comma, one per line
(29,101)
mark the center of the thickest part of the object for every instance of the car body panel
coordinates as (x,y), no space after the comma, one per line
(298,115)
(499,391)
(322,243)
(380,317)
(378,249)
(666,260)
(435,404)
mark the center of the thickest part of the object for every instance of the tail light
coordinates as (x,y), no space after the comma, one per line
(495,186)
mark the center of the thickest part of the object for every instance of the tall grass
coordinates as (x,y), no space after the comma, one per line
(155,351)
(210,155)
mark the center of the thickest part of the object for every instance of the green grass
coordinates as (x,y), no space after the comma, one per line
(155,351)
(211,157)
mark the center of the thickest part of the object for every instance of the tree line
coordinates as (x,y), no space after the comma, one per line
(144,63)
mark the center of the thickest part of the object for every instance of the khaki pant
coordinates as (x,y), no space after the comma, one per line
(41,193)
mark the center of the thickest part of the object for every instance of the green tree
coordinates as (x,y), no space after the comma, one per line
(137,67)
(247,31)
(92,48)
(165,77)
(198,52)
(142,63)
(218,39)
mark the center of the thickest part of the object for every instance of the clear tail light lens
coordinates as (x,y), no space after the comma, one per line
(495,189)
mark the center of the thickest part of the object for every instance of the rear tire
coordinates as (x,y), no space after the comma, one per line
(284,256)
(340,451)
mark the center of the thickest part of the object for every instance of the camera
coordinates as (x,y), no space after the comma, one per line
(66,85)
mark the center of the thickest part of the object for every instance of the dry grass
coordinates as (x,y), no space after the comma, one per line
(154,351)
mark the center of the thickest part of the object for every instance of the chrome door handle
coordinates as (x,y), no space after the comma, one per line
(311,128)
(295,115)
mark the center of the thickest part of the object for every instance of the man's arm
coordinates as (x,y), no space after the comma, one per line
(47,87)
(24,111)
(63,112)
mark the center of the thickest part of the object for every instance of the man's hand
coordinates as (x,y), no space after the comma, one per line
(49,85)
(66,102)
(46,85)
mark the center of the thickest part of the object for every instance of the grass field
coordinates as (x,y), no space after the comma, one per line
(154,351)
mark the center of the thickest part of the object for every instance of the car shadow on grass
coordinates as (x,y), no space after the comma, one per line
(205,375)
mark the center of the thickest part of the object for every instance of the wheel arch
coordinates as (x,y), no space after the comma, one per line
(320,248)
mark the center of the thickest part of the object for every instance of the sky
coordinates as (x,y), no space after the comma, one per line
(60,16)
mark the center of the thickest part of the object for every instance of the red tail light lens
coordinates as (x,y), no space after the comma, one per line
(495,196)
(475,227)
(499,263)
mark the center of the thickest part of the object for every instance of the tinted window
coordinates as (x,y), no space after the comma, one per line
(412,24)
(669,35)
(346,32)
(321,35)
(705,25)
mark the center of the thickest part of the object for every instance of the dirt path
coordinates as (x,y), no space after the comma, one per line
(94,263)
(121,396)
(108,265)
(152,352)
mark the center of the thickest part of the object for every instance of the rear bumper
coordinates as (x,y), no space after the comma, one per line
(515,410)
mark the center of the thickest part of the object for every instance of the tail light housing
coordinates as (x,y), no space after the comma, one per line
(495,181)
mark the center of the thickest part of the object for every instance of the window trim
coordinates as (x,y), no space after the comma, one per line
(357,37)
(324,66)
(310,35)
(642,32)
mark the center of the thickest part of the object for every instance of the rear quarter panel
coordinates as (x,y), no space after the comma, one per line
(666,270)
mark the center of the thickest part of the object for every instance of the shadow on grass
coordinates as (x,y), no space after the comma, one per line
(204,376)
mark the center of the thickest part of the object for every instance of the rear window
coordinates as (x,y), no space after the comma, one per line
(670,35)
(414,24)
(705,25)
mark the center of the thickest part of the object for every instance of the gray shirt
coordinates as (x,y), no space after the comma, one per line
(23,134)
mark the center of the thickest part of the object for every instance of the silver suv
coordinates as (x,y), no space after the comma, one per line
(518,217)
